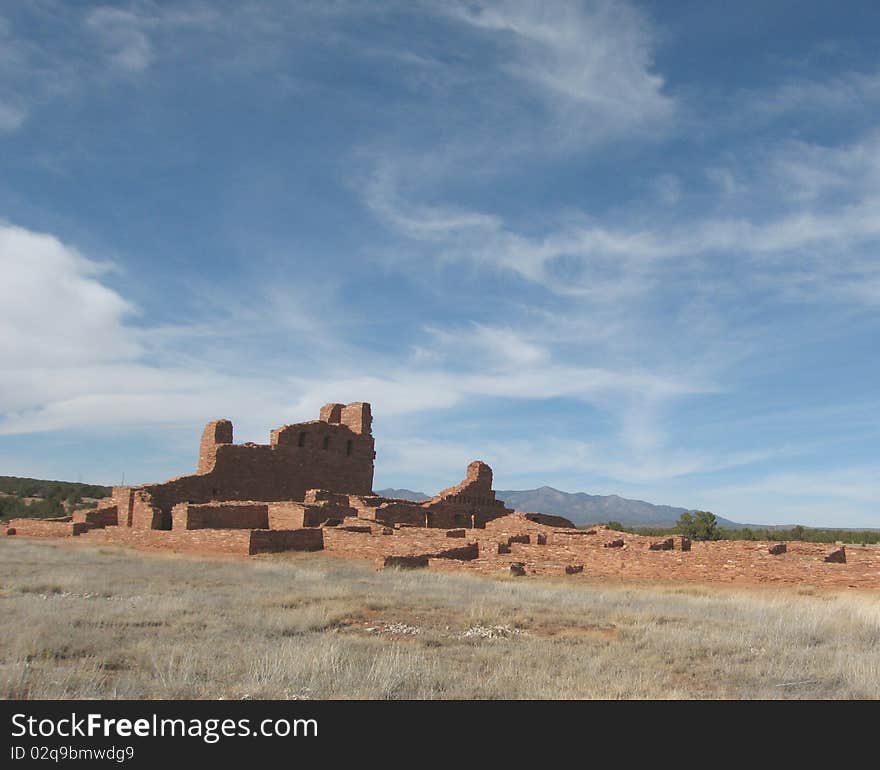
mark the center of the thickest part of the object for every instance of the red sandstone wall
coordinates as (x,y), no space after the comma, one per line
(64,527)
(232,541)
(220,516)
(399,512)
(471,503)
(310,455)
(215,433)
(103,516)
(286,515)
(145,514)
(275,540)
(123,498)
(529,522)
(476,487)
(449,514)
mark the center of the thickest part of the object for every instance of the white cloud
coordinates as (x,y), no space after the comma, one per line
(491,345)
(860,484)
(82,42)
(808,172)
(839,94)
(11,118)
(517,462)
(71,358)
(831,497)
(595,58)
(726,180)
(402,390)
(123,36)
(667,189)
(53,310)
(610,264)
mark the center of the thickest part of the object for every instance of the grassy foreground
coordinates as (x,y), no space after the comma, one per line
(80,621)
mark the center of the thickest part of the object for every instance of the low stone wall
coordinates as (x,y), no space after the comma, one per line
(407,546)
(231,541)
(246,542)
(275,540)
(286,515)
(105,516)
(64,527)
(541,550)
(235,515)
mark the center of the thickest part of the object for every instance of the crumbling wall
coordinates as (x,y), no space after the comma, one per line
(215,434)
(335,453)
(286,515)
(471,503)
(59,527)
(233,515)
(145,514)
(102,516)
(244,542)
(123,498)
(318,508)
(273,541)
(549,520)
(528,522)
(401,512)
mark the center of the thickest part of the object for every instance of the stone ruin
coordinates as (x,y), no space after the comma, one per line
(284,495)
(310,488)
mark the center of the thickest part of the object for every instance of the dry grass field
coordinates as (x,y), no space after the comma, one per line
(81,621)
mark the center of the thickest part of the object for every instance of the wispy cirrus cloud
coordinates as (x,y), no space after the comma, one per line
(536,233)
(433,461)
(123,35)
(73,359)
(789,248)
(592,63)
(93,45)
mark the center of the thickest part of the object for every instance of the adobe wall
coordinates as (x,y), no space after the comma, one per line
(334,453)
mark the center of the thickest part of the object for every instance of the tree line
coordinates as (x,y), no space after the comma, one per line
(703,525)
(49,498)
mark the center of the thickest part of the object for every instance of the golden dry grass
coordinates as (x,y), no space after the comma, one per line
(79,621)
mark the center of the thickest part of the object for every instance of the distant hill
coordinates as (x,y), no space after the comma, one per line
(579,507)
(582,508)
(38,498)
(403,494)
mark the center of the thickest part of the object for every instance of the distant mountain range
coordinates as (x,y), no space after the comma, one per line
(403,494)
(579,507)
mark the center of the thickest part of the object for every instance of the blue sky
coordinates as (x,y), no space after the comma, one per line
(612,247)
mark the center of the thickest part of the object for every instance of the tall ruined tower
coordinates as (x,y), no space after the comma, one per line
(215,433)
